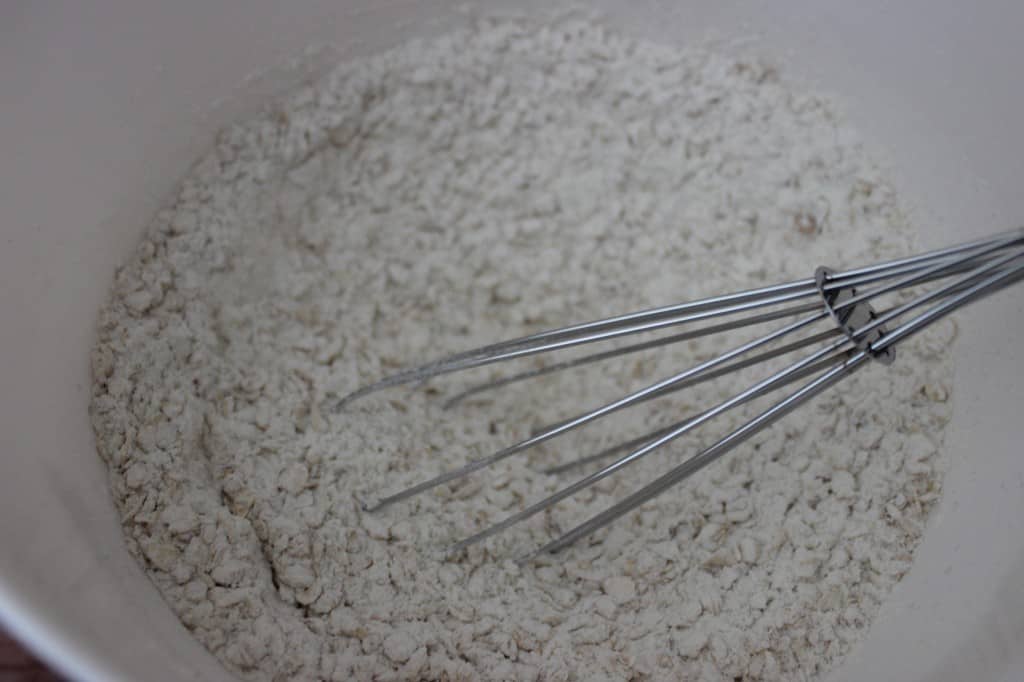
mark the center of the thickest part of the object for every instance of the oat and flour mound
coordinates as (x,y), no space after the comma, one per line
(504,179)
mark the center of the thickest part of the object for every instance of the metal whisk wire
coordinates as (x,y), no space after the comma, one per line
(857,333)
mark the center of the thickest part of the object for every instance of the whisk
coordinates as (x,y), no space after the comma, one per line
(927,287)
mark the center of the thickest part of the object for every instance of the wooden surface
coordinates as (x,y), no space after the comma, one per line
(17,665)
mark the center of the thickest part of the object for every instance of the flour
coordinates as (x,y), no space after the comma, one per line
(504,179)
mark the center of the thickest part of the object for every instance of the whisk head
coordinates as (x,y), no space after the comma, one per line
(840,320)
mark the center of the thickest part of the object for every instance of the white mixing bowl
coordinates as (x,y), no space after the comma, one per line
(103,106)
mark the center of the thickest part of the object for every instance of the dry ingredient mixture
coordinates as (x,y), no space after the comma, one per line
(506,178)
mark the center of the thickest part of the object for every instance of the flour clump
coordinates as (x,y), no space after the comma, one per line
(506,178)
